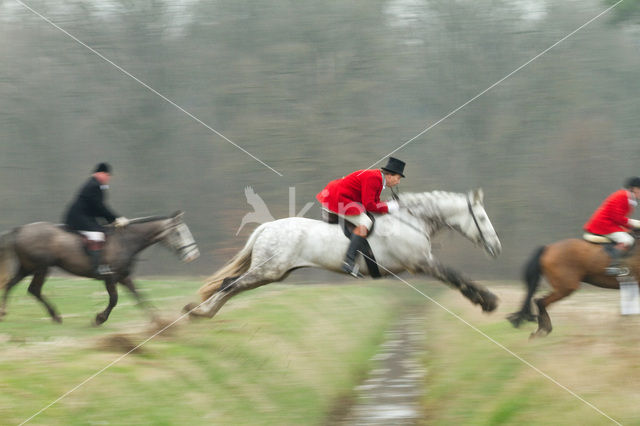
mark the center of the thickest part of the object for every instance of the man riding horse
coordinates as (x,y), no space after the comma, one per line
(611,220)
(356,194)
(84,211)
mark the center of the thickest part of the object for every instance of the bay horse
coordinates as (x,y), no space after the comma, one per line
(566,264)
(400,242)
(35,248)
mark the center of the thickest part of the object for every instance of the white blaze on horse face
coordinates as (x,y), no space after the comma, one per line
(181,240)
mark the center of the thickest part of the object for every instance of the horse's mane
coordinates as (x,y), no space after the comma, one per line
(430,204)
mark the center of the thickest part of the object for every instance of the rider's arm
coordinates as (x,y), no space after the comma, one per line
(619,208)
(95,199)
(371,188)
(634,223)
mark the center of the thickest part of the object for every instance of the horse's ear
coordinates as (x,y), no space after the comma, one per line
(478,195)
(178,214)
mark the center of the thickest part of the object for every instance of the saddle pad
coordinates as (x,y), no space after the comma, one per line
(596,239)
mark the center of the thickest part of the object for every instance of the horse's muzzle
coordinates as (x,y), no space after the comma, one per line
(493,249)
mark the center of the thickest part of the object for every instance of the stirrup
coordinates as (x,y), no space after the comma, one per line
(352,270)
(104,271)
(617,271)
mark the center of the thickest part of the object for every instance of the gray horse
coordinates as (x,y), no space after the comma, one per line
(34,248)
(401,242)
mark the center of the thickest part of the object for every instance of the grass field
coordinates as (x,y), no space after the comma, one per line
(282,354)
(291,354)
(593,351)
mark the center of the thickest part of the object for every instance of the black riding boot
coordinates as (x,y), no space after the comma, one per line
(99,269)
(615,268)
(349,265)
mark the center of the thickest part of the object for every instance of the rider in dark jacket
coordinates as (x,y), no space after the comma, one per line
(84,211)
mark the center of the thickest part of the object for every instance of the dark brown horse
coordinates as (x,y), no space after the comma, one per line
(565,264)
(34,248)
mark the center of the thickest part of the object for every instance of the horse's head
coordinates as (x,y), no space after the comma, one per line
(478,227)
(177,237)
(462,212)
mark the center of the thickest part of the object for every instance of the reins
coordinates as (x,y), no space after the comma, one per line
(396,197)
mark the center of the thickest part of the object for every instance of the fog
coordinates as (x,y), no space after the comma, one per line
(184,97)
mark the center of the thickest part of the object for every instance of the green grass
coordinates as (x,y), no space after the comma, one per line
(281,354)
(473,381)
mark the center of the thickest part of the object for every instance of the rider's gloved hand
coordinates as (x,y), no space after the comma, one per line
(634,223)
(121,222)
(393,206)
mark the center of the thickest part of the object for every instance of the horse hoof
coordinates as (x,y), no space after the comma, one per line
(538,333)
(515,319)
(57,319)
(489,303)
(188,308)
(99,320)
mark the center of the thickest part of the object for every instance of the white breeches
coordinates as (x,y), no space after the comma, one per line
(93,235)
(358,220)
(622,238)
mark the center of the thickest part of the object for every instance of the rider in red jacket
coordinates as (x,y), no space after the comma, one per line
(611,220)
(352,196)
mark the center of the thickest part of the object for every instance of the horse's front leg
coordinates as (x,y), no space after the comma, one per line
(110,284)
(476,293)
(143,303)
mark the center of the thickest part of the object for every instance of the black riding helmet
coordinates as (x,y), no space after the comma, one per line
(633,182)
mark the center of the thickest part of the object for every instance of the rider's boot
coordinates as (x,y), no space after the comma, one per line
(615,268)
(100,270)
(349,265)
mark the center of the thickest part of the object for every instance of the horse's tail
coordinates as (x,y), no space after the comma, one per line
(238,265)
(531,276)
(7,257)
(533,272)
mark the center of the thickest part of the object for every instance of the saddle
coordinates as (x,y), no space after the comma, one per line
(87,244)
(608,245)
(347,229)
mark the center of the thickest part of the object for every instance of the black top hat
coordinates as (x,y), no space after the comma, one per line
(632,182)
(103,167)
(394,166)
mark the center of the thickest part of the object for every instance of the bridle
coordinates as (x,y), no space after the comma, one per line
(475,220)
(182,248)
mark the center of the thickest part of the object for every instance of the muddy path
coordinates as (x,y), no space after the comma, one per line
(391,392)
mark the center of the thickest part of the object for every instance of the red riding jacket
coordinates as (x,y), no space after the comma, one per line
(612,214)
(354,193)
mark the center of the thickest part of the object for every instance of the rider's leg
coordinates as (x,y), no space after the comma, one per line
(363,224)
(94,250)
(623,243)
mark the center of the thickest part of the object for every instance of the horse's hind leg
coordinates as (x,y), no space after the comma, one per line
(35,288)
(229,288)
(544,321)
(12,283)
